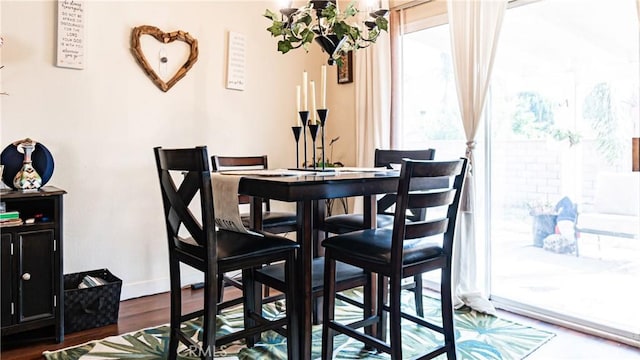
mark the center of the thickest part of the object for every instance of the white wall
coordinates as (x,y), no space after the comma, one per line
(102,122)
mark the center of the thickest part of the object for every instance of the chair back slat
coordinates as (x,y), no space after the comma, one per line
(388,157)
(179,213)
(422,229)
(185,178)
(414,192)
(437,169)
(430,199)
(180,160)
(221,163)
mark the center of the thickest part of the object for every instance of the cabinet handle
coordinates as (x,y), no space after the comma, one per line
(26,276)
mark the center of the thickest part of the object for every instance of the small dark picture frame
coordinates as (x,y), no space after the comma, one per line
(345,71)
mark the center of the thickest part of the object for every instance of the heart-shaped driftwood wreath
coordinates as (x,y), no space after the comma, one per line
(164,38)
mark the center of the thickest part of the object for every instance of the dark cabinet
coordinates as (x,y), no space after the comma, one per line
(7,288)
(32,290)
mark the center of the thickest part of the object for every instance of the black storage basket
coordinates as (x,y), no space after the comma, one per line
(93,306)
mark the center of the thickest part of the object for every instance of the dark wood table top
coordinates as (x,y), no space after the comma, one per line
(316,187)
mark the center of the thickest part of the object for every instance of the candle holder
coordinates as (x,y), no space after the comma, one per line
(304,117)
(296,134)
(313,130)
(322,113)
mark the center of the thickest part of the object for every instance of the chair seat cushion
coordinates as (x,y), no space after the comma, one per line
(272,219)
(374,245)
(339,224)
(346,274)
(234,248)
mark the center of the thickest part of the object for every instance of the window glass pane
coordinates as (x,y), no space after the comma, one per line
(431,116)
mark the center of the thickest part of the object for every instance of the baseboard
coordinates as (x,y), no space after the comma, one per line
(155,286)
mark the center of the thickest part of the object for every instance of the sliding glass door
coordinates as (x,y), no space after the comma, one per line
(562,109)
(564,106)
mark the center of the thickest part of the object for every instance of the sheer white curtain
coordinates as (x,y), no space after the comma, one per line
(372,80)
(475,28)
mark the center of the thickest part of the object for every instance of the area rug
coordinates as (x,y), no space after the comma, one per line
(478,337)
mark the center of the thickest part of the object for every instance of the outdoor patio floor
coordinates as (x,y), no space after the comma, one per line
(601,285)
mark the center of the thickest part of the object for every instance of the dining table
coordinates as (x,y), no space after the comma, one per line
(308,190)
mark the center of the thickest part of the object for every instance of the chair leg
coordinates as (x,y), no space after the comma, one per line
(176,306)
(383,293)
(368,303)
(220,284)
(447,313)
(317,310)
(395,330)
(417,294)
(329,304)
(209,318)
(251,291)
(293,343)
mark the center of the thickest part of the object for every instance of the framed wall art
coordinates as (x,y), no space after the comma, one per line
(70,44)
(236,50)
(345,68)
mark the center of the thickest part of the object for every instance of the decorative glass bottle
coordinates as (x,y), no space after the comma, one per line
(27,178)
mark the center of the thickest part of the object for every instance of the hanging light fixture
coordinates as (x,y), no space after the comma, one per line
(335,31)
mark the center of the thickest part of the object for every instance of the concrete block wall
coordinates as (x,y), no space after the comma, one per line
(526,172)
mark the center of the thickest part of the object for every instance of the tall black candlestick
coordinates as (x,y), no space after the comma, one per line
(296,134)
(304,117)
(322,113)
(313,130)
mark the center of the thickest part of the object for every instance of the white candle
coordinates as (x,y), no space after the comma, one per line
(298,105)
(313,101)
(323,86)
(304,91)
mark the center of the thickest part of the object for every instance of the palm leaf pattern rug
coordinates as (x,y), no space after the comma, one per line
(478,337)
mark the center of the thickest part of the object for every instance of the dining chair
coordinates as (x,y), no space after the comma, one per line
(187,197)
(408,248)
(343,223)
(277,222)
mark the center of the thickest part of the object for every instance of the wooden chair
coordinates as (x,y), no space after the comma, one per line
(409,248)
(343,223)
(193,240)
(276,222)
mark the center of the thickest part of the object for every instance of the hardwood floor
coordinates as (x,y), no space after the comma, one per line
(134,314)
(573,345)
(154,310)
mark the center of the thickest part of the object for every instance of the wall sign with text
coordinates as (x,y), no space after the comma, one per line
(70,34)
(236,61)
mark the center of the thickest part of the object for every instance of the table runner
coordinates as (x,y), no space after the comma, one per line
(225,203)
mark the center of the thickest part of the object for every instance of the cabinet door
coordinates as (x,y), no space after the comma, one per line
(7,281)
(36,275)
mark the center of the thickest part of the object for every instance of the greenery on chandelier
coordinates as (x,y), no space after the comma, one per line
(298,29)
